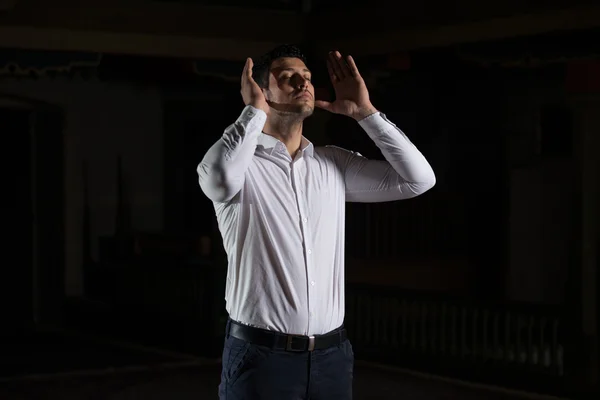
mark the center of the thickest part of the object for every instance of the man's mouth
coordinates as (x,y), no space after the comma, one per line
(303,95)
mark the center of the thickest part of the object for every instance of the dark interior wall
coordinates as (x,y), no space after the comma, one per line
(103,120)
(33,277)
(16,276)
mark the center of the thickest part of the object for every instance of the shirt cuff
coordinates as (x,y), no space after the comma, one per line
(252,116)
(376,122)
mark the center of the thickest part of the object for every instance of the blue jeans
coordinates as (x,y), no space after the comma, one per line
(253,372)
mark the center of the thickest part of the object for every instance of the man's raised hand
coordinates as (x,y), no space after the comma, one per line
(252,93)
(351,94)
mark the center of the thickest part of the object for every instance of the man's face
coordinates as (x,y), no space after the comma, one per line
(290,89)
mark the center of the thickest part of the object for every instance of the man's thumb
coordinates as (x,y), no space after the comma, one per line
(325,105)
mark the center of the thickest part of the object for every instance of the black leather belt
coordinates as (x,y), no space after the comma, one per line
(282,341)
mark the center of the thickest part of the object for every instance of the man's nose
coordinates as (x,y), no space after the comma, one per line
(301,83)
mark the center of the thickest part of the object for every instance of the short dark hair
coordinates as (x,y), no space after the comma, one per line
(260,71)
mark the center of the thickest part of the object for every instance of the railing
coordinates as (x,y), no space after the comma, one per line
(430,227)
(499,344)
(178,306)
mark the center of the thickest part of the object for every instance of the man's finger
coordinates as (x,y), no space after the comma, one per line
(343,66)
(332,75)
(337,70)
(250,66)
(352,66)
(245,71)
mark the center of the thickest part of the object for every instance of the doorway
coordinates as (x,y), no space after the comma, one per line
(32,289)
(17,272)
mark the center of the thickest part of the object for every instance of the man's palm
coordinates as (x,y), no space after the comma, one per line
(252,94)
(351,93)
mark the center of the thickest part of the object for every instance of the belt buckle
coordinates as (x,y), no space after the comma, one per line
(290,341)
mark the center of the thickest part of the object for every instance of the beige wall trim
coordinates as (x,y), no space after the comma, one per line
(498,28)
(26,37)
(163,42)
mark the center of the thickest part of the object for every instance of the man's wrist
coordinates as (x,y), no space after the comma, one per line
(260,106)
(364,113)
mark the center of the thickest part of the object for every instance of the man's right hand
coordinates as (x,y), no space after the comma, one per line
(251,92)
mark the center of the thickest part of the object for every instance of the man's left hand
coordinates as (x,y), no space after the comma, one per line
(351,93)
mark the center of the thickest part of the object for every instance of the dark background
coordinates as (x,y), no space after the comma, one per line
(113,270)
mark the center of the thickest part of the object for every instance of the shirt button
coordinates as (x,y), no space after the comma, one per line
(304,220)
(312,283)
(309,251)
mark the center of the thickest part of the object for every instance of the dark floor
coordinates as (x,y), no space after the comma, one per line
(200,382)
(42,352)
(68,366)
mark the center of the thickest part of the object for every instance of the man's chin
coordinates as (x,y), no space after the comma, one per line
(300,110)
(304,108)
(307,110)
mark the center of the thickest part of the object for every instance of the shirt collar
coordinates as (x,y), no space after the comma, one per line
(272,145)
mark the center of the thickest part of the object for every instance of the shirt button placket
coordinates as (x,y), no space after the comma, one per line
(303,209)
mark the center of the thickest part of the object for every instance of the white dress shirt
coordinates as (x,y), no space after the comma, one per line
(282,220)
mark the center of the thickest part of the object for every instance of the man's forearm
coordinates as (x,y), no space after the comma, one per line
(398,150)
(222,170)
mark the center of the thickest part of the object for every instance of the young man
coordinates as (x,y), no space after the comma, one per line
(280,206)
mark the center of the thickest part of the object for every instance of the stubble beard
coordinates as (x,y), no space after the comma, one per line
(295,113)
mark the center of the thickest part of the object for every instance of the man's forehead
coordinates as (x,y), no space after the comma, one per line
(291,63)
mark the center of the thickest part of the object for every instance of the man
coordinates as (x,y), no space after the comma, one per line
(280,206)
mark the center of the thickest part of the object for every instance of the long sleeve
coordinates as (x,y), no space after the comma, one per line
(222,170)
(405,173)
